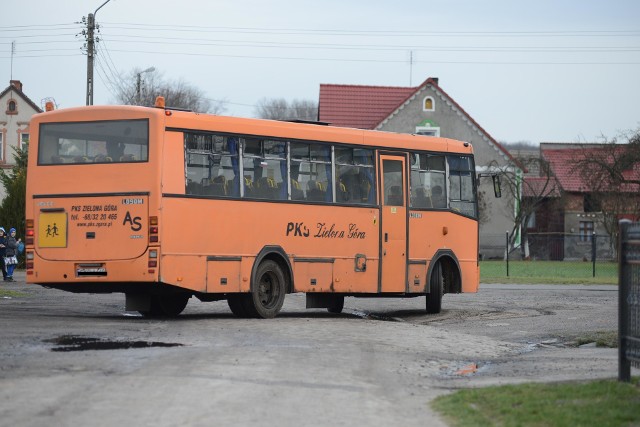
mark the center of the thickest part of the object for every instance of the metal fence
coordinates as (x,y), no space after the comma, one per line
(629,300)
(586,253)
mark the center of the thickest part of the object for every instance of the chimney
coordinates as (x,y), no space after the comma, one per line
(435,80)
(17,84)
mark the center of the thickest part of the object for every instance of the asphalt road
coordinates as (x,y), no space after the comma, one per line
(75,359)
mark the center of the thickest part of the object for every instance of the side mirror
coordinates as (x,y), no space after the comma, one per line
(497,189)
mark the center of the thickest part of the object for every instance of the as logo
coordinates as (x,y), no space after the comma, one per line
(133,222)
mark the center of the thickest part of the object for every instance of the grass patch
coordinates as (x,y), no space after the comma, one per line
(608,339)
(594,403)
(551,272)
(11,294)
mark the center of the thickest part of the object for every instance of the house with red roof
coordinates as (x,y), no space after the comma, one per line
(427,109)
(572,206)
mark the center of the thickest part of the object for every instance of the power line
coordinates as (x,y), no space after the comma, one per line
(286,45)
(263,30)
(36,26)
(292,58)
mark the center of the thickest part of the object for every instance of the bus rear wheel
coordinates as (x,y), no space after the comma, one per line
(166,305)
(268,291)
(436,289)
(238,304)
(336,305)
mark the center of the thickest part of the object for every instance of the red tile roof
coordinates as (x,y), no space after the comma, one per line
(564,163)
(360,107)
(366,107)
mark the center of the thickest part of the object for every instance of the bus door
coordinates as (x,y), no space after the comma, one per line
(394,223)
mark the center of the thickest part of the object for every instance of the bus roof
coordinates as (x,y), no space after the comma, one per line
(187,120)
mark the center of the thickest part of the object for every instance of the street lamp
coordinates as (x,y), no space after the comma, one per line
(139,81)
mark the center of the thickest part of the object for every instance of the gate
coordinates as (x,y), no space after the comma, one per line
(629,300)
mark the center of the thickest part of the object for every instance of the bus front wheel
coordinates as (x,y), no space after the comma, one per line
(268,291)
(436,289)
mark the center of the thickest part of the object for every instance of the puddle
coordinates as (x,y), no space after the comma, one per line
(78,343)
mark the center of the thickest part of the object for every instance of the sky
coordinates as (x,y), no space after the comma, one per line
(543,71)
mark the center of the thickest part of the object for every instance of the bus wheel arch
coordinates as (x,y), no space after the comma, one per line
(270,282)
(443,277)
(452,274)
(278,255)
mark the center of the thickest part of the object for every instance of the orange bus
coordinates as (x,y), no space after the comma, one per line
(164,205)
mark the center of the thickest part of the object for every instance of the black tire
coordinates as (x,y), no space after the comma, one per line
(238,304)
(166,305)
(268,291)
(436,286)
(336,305)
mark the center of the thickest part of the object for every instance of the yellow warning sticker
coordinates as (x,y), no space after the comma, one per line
(52,230)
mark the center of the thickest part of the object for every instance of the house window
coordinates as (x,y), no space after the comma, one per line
(429,104)
(586,231)
(429,131)
(12,107)
(591,204)
(24,140)
(531,222)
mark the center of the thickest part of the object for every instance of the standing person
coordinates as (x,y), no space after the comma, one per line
(3,251)
(11,258)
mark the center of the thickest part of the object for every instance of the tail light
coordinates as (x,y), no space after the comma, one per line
(28,241)
(29,232)
(153,229)
(153,258)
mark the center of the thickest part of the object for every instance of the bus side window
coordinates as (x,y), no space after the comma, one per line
(428,181)
(354,168)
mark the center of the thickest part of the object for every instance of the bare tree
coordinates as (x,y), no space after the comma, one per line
(526,195)
(280,109)
(142,88)
(611,173)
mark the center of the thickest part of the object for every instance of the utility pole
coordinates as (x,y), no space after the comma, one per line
(91,27)
(139,84)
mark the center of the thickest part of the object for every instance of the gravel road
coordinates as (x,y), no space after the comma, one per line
(68,359)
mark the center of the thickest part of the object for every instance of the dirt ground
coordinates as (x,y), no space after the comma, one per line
(73,359)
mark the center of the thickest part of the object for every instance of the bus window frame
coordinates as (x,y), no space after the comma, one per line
(419,169)
(113,161)
(288,141)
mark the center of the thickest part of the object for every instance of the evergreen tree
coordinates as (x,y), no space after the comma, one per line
(12,209)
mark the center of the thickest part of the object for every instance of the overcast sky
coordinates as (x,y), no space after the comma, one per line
(538,71)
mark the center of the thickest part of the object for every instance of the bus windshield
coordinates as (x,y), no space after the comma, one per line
(119,141)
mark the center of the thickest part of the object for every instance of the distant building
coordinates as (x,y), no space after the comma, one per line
(427,110)
(570,214)
(16,110)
